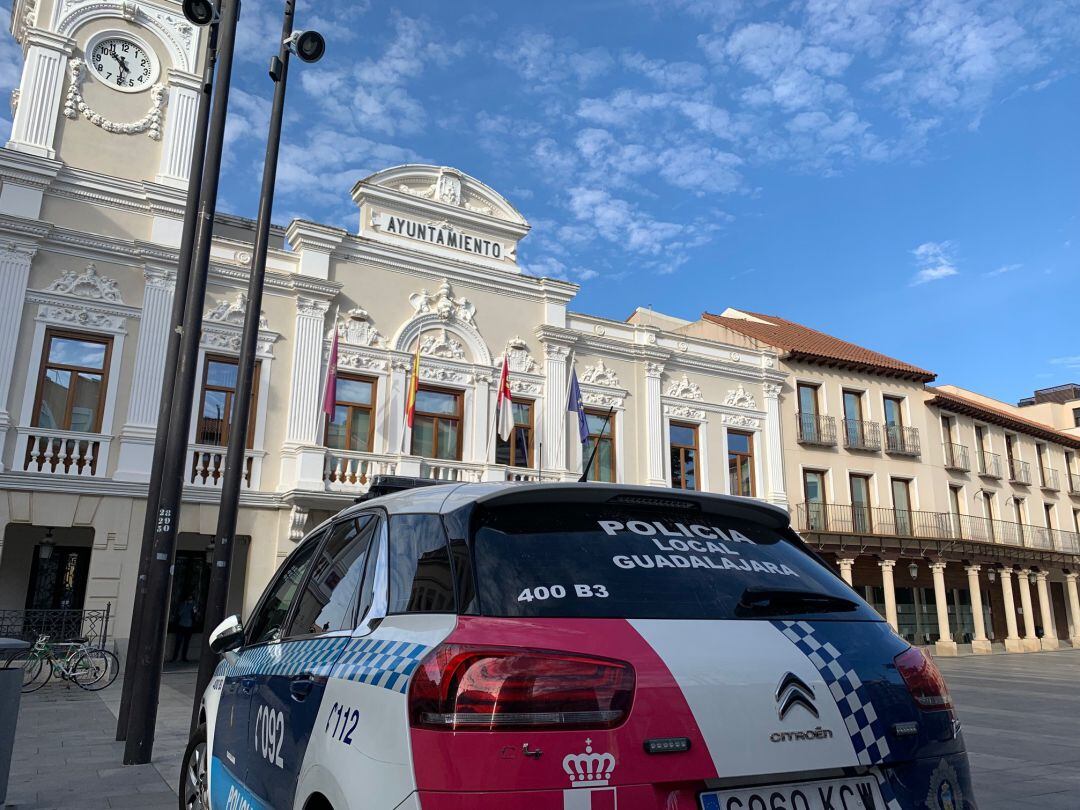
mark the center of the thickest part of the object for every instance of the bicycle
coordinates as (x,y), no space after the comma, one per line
(88,668)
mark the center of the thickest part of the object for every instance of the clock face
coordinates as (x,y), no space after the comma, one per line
(122,64)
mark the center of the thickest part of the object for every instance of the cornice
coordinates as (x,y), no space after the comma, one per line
(33,482)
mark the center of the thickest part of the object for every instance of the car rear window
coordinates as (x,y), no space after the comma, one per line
(600,560)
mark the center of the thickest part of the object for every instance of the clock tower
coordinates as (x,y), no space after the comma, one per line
(108,87)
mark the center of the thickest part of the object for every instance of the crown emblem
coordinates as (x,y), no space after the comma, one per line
(588,769)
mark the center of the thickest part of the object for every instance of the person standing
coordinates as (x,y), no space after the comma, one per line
(185,626)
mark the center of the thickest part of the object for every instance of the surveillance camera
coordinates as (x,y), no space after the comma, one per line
(309,46)
(199,12)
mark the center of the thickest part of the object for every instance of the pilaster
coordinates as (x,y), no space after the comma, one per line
(178,140)
(774,457)
(654,425)
(14,273)
(34,128)
(555,399)
(302,464)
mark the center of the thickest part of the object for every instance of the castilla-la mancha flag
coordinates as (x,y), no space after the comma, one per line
(504,405)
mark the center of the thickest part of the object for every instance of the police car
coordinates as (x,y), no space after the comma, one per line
(568,647)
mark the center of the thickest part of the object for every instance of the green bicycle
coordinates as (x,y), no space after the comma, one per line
(75,661)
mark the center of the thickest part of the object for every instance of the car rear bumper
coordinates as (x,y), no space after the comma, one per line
(937,783)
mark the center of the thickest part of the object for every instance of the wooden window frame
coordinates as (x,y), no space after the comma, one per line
(45,365)
(512,441)
(899,401)
(226,424)
(868,517)
(682,448)
(859,397)
(749,456)
(352,408)
(459,398)
(816,388)
(609,436)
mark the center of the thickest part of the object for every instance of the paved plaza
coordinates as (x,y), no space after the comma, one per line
(1018,711)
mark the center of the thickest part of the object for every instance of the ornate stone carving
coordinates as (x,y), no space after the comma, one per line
(88,285)
(517,352)
(684,389)
(735,357)
(311,307)
(444,304)
(233,312)
(601,399)
(600,375)
(228,340)
(160,279)
(356,328)
(360,362)
(447,189)
(442,344)
(599,330)
(654,370)
(27,21)
(442,375)
(74,104)
(81,316)
(770,390)
(769,361)
(553,351)
(525,387)
(740,398)
(297,523)
(684,412)
(740,421)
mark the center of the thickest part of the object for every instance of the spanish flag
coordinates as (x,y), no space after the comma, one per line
(414,379)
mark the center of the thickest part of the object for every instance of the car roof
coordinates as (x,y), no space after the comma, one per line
(451,497)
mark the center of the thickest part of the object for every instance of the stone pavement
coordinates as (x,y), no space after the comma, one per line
(1019,715)
(65,755)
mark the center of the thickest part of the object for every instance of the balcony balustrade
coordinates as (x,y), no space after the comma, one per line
(956,457)
(64,452)
(989,464)
(902,441)
(351,472)
(207,468)
(860,435)
(877,521)
(1049,479)
(816,429)
(1019,472)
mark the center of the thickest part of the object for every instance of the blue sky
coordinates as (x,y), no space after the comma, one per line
(901,174)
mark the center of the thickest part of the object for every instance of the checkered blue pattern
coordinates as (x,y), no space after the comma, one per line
(380,662)
(866,729)
(314,656)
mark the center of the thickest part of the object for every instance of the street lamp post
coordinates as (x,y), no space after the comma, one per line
(146,686)
(309,46)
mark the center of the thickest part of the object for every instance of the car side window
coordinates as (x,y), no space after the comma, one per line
(370,588)
(266,624)
(421,579)
(329,597)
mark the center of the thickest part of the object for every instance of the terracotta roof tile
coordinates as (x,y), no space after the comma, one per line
(802,342)
(946,400)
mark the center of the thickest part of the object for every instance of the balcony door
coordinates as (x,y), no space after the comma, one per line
(437,422)
(853,419)
(860,504)
(954,512)
(894,422)
(808,413)
(901,495)
(814,495)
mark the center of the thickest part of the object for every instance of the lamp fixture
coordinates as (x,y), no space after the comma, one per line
(1032,577)
(991,575)
(913,569)
(46,546)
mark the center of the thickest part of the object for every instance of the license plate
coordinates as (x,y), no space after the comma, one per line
(834,794)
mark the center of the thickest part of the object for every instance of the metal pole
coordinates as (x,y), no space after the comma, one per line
(147,680)
(236,462)
(172,353)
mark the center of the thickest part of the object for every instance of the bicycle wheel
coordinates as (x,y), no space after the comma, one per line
(94,669)
(36,673)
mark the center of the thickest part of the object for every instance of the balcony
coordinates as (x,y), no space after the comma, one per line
(956,457)
(1019,472)
(885,522)
(1049,479)
(64,452)
(902,441)
(860,435)
(989,464)
(351,472)
(816,430)
(207,467)
(1074,484)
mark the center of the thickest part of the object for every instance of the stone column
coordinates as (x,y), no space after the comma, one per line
(484,433)
(44,70)
(1049,640)
(774,446)
(179,136)
(303,456)
(654,425)
(887,567)
(846,564)
(980,643)
(555,415)
(14,273)
(1013,643)
(1031,641)
(138,433)
(1074,609)
(945,644)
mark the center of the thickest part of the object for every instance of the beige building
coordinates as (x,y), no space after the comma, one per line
(91,206)
(1058,407)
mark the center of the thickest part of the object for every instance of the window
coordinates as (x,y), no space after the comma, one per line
(72,382)
(1076,520)
(329,598)
(740,454)
(860,503)
(854,429)
(948,429)
(602,437)
(1018,510)
(216,403)
(901,494)
(266,624)
(1040,457)
(517,451)
(436,429)
(980,438)
(954,511)
(1076,417)
(894,411)
(1048,514)
(684,451)
(421,580)
(808,399)
(814,493)
(353,424)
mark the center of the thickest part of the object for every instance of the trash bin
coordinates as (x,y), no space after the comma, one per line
(10,689)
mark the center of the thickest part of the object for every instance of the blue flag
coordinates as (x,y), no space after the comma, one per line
(575,405)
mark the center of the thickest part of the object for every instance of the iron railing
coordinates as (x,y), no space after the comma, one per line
(860,435)
(816,429)
(902,441)
(1049,479)
(956,457)
(59,624)
(989,464)
(878,521)
(1019,471)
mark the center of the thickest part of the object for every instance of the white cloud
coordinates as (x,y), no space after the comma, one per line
(1005,268)
(1069,362)
(935,262)
(544,63)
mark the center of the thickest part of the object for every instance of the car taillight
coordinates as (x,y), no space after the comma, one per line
(460,687)
(923,680)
